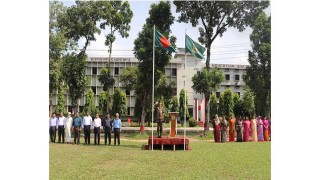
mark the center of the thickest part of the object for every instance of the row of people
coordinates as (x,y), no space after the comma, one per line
(259,129)
(66,125)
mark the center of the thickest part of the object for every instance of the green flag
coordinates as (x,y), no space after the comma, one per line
(162,42)
(194,48)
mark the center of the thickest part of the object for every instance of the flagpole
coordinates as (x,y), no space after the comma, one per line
(153,85)
(185,88)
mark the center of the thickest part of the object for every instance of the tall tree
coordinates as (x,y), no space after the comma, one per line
(89,106)
(216,16)
(205,82)
(61,106)
(58,44)
(78,22)
(258,75)
(183,106)
(103,97)
(248,103)
(238,105)
(221,105)
(117,16)
(175,104)
(159,15)
(129,78)
(119,104)
(75,76)
(107,81)
(228,103)
(213,106)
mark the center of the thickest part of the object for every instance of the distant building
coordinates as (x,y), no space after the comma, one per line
(174,71)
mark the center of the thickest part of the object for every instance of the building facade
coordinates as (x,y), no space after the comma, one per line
(175,71)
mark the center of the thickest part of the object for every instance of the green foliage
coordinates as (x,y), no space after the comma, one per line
(248,103)
(90,105)
(221,105)
(227,103)
(117,15)
(213,106)
(104,96)
(159,15)
(129,78)
(238,105)
(165,90)
(80,22)
(192,122)
(258,75)
(175,104)
(75,76)
(183,106)
(205,82)
(215,17)
(61,105)
(119,104)
(106,79)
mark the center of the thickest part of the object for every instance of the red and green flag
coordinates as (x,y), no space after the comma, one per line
(162,42)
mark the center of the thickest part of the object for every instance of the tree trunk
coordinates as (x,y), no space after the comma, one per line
(50,108)
(208,58)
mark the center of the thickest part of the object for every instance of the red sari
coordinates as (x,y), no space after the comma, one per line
(232,123)
(246,130)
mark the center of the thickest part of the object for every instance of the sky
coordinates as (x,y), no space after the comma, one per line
(231,48)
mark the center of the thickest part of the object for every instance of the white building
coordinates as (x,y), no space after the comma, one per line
(174,71)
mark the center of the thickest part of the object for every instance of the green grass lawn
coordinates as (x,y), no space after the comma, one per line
(206,160)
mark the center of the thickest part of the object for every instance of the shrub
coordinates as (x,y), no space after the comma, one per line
(192,122)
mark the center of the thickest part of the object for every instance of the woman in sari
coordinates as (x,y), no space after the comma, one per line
(246,130)
(260,129)
(231,129)
(254,137)
(266,129)
(216,127)
(224,130)
(239,129)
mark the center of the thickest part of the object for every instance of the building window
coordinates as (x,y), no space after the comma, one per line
(94,89)
(218,94)
(116,70)
(80,108)
(94,70)
(70,109)
(238,93)
(174,71)
(236,70)
(237,77)
(227,86)
(237,86)
(127,93)
(128,111)
(226,69)
(227,77)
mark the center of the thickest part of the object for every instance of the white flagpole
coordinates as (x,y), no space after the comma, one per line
(153,86)
(185,88)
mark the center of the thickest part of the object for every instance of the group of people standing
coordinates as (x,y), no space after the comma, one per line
(66,125)
(259,129)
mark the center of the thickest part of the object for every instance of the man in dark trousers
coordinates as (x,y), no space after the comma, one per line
(107,126)
(86,125)
(52,127)
(60,126)
(117,129)
(76,127)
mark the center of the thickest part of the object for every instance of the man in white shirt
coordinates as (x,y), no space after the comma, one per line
(87,123)
(97,124)
(52,127)
(60,125)
(68,126)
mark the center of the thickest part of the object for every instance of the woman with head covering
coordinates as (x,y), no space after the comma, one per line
(231,129)
(254,137)
(246,130)
(223,128)
(266,129)
(239,129)
(260,129)
(216,127)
